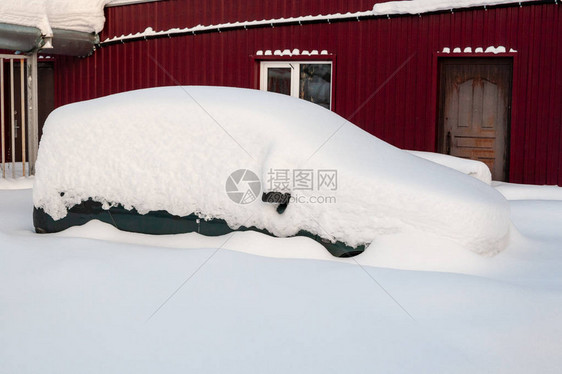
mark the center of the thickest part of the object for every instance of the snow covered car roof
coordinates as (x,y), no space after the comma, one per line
(180,150)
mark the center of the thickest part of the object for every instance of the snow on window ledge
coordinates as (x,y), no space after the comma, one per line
(491,49)
(291,53)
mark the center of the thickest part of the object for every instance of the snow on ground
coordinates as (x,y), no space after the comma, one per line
(15,179)
(16,184)
(119,302)
(95,148)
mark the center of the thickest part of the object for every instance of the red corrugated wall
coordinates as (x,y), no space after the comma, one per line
(367,53)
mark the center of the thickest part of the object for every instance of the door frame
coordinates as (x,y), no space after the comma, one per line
(513,122)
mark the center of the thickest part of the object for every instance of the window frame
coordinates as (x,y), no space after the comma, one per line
(279,64)
(264,62)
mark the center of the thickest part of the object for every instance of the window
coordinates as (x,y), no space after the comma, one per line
(310,81)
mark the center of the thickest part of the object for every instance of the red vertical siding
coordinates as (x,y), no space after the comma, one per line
(368,52)
(173,13)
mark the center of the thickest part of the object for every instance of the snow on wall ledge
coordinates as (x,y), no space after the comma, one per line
(380,9)
(425,6)
(173,148)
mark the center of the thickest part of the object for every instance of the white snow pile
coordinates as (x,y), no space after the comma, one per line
(490,49)
(424,6)
(77,15)
(173,149)
(474,168)
(513,191)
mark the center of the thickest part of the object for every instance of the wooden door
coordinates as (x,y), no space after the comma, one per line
(474,111)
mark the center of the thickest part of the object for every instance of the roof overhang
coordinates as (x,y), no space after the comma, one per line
(20,38)
(71,43)
(28,39)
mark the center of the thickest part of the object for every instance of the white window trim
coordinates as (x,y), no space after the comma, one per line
(295,74)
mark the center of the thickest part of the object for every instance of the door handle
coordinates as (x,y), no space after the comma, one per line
(448,143)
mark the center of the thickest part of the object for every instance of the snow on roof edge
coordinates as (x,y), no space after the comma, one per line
(113,3)
(426,6)
(379,9)
(75,15)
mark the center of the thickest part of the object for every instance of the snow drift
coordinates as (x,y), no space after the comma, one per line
(476,169)
(173,149)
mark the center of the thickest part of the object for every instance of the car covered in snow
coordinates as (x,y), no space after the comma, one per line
(217,159)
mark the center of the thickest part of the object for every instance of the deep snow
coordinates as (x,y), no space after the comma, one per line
(70,304)
(474,168)
(173,149)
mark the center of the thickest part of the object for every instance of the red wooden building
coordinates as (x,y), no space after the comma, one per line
(480,82)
